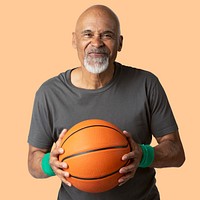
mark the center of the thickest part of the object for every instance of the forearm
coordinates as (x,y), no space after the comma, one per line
(168,153)
(34,165)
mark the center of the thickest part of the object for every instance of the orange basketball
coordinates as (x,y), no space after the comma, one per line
(93,150)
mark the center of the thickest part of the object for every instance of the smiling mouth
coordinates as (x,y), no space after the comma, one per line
(97,54)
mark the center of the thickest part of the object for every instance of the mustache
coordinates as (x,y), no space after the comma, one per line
(97,50)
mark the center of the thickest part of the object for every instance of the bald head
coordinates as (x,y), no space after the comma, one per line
(99,12)
(97,37)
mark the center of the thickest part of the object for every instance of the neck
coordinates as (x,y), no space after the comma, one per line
(81,78)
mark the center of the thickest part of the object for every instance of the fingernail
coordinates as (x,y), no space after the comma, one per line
(66,174)
(124,157)
(125,131)
(61,150)
(120,180)
(64,165)
(69,184)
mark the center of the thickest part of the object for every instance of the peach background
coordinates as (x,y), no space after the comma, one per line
(35,44)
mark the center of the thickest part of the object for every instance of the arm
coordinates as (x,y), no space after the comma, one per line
(35,156)
(168,153)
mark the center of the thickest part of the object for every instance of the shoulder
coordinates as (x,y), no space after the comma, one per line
(131,72)
(53,84)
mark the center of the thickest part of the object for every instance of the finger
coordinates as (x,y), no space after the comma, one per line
(125,178)
(128,169)
(66,182)
(58,165)
(129,137)
(56,152)
(134,158)
(62,134)
(128,156)
(126,133)
(59,168)
(63,175)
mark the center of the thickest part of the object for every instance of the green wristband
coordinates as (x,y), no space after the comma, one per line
(147,156)
(46,167)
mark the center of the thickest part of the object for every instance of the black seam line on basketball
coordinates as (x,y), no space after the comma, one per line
(101,177)
(94,150)
(89,127)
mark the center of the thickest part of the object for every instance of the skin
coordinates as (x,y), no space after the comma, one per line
(99,27)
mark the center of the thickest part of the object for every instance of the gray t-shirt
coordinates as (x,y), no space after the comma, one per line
(134,100)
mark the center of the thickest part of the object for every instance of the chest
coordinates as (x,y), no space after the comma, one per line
(126,109)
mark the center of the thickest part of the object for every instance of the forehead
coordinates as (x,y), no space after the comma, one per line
(96,21)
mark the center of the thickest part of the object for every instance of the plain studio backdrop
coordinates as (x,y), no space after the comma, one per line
(35,45)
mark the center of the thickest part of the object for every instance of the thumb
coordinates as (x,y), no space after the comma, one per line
(61,136)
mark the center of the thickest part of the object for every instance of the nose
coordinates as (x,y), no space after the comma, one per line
(97,41)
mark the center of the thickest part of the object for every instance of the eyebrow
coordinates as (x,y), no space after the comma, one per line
(86,31)
(108,31)
(104,32)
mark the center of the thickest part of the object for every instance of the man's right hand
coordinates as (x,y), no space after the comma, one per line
(57,166)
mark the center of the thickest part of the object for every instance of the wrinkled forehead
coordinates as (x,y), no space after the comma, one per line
(98,19)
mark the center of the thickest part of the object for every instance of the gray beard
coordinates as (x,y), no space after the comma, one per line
(96,65)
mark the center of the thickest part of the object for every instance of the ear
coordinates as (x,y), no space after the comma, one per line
(120,43)
(74,40)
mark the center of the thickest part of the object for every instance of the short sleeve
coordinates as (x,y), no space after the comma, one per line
(162,118)
(40,128)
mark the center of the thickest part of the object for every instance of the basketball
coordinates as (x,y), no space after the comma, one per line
(93,150)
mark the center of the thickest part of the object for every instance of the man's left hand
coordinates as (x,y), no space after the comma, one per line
(134,157)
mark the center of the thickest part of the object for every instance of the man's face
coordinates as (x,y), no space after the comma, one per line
(97,40)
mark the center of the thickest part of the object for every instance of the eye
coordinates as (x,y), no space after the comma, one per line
(87,34)
(107,35)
